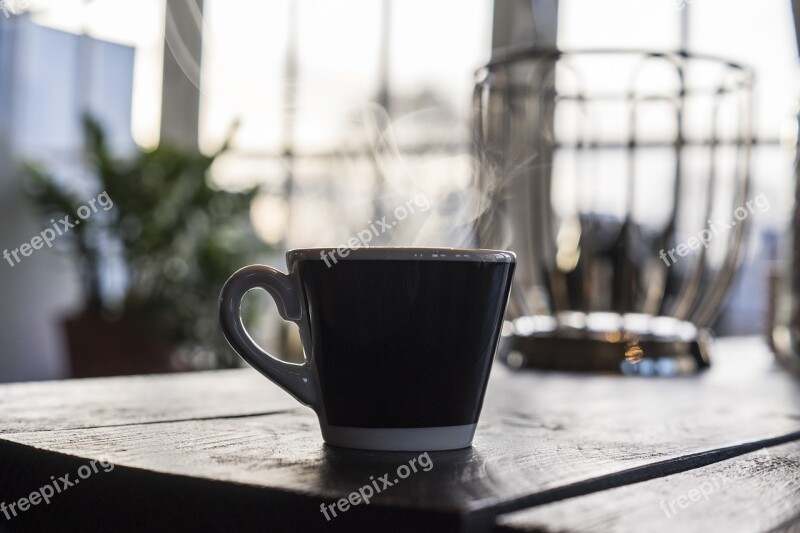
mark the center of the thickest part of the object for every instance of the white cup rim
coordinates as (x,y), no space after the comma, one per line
(400,253)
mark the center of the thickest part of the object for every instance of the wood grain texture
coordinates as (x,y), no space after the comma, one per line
(84,403)
(759,491)
(538,433)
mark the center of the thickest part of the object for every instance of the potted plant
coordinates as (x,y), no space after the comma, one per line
(174,239)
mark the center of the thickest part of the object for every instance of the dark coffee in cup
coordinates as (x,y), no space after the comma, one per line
(399,342)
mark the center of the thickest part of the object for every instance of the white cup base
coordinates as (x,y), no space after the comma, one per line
(428,439)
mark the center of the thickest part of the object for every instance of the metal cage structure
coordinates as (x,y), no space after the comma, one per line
(618,178)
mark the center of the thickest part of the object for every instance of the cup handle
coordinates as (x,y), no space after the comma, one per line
(296,379)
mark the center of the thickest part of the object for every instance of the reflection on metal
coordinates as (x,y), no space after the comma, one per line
(660,346)
(598,160)
(633,352)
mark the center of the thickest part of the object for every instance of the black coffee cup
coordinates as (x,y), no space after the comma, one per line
(398,342)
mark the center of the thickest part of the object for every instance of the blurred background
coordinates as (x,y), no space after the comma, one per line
(225,133)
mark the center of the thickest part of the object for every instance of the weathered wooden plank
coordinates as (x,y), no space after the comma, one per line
(79,403)
(284,452)
(759,491)
(539,432)
(133,500)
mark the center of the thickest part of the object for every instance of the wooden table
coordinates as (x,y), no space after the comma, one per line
(228,451)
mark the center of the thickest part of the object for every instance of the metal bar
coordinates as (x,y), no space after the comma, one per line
(718,290)
(290,112)
(690,292)
(180,97)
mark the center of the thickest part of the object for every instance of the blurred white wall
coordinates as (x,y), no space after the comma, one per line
(47,79)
